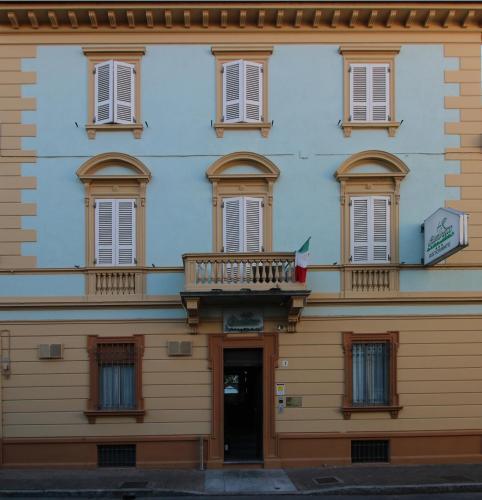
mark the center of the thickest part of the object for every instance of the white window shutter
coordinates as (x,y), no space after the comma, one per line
(124,89)
(233,224)
(381,228)
(253,224)
(360,250)
(126,232)
(253,91)
(359,75)
(380,97)
(233,91)
(105,232)
(103,90)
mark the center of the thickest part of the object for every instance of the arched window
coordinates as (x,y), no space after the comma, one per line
(370,195)
(115,193)
(242,202)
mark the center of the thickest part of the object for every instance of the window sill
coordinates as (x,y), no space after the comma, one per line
(391,127)
(348,410)
(263,127)
(136,129)
(92,415)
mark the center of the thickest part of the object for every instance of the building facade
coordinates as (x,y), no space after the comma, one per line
(160,163)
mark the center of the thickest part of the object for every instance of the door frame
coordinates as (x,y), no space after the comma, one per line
(268,342)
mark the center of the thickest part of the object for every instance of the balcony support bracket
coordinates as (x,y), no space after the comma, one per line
(296,305)
(291,301)
(192,308)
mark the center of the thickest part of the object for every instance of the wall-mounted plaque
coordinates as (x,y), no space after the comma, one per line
(294,402)
(243,321)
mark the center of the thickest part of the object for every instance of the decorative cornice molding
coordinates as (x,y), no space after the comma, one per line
(119,49)
(362,48)
(396,168)
(230,49)
(267,169)
(159,16)
(87,171)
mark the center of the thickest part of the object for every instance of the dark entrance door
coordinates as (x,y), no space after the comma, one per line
(243,405)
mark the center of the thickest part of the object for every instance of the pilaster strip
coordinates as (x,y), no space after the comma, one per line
(469,152)
(12,154)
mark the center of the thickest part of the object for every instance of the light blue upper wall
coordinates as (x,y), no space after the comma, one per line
(178,104)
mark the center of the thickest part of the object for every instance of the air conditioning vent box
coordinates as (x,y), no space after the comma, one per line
(50,351)
(179,348)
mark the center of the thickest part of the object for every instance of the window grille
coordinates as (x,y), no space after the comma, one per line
(371,364)
(117,376)
(116,455)
(367,451)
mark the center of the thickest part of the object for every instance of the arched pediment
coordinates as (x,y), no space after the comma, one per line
(369,164)
(116,166)
(243,165)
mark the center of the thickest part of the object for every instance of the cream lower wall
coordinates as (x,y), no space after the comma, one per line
(439,375)
(439,379)
(47,398)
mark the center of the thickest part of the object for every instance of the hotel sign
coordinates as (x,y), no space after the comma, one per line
(243,321)
(445,232)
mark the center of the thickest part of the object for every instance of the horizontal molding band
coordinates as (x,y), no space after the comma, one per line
(180,269)
(171,301)
(377,434)
(81,303)
(215,321)
(82,270)
(105,439)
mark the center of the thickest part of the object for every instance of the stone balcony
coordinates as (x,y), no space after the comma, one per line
(236,271)
(242,279)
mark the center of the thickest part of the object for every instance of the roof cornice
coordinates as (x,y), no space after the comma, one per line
(221,16)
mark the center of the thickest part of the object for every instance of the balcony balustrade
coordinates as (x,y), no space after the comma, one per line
(371,279)
(236,271)
(119,283)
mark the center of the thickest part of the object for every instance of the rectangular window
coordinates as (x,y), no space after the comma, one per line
(242,224)
(242,88)
(114,92)
(115,376)
(369,87)
(371,364)
(114,89)
(115,232)
(369,92)
(369,229)
(370,372)
(242,92)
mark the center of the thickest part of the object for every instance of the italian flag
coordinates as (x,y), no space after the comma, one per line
(301,261)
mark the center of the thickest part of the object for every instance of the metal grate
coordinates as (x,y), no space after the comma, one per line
(117,379)
(367,451)
(115,455)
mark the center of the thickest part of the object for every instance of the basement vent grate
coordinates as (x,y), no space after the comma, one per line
(326,480)
(366,451)
(114,455)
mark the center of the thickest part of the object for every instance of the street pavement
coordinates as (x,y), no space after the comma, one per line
(362,480)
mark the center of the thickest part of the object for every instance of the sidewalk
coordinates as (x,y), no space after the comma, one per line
(389,479)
